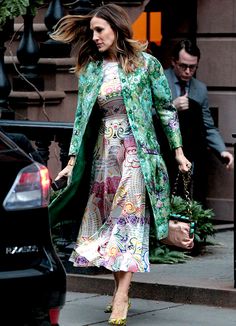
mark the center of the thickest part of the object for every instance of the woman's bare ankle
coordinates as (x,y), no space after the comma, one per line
(120,305)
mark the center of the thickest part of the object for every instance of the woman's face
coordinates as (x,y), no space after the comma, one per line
(103,34)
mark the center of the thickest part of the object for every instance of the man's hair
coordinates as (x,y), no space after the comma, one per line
(189,46)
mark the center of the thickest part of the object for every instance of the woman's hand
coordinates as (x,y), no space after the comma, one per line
(184,164)
(67,171)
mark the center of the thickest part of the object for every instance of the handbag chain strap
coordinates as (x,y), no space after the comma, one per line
(186,182)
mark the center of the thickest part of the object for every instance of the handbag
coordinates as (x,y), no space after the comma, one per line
(181,227)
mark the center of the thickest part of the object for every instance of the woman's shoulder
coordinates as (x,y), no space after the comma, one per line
(94,64)
(90,67)
(149,58)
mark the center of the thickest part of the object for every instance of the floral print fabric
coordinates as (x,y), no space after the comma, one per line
(115,226)
(142,90)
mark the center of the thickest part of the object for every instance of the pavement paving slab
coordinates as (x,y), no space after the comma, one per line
(206,279)
(84,309)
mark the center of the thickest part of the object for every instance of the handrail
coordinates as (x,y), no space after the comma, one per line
(35,124)
(43,133)
(32,128)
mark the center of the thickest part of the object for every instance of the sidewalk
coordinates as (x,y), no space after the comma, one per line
(83,309)
(205,280)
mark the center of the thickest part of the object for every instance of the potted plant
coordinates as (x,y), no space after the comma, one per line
(14,8)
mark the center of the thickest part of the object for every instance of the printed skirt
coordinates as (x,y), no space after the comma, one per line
(114,231)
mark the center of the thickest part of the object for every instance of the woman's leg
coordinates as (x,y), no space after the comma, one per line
(116,281)
(121,299)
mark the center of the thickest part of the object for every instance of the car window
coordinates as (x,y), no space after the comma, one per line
(6,143)
(8,149)
(3,146)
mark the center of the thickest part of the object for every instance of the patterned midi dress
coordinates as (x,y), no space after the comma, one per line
(114,231)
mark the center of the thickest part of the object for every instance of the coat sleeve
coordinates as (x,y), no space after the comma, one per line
(213,136)
(76,137)
(162,102)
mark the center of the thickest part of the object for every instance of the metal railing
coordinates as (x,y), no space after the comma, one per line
(43,133)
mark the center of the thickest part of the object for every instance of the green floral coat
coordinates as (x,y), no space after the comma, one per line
(142,90)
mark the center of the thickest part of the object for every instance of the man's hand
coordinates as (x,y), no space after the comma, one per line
(228,159)
(182,102)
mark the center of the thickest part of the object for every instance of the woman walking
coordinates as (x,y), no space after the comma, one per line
(121,83)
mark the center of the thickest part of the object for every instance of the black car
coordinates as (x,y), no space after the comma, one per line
(32,277)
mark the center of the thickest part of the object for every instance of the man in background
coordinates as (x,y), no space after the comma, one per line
(190,98)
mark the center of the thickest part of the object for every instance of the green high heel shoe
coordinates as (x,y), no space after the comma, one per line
(120,321)
(108,308)
(113,321)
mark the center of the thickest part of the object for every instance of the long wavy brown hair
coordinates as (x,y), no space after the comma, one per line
(75,29)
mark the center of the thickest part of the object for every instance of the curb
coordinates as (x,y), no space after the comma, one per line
(224,227)
(225,298)
(207,280)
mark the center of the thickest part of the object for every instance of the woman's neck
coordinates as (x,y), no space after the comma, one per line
(109,60)
(111,57)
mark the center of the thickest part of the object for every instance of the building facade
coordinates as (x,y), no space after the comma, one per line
(212,23)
